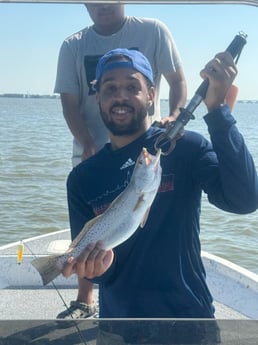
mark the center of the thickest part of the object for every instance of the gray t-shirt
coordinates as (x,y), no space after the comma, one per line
(81,51)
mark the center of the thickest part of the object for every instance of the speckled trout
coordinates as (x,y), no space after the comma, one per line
(120,220)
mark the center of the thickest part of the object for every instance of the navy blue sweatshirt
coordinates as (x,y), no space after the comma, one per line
(158,272)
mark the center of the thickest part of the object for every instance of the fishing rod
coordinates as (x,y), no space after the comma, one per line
(175,129)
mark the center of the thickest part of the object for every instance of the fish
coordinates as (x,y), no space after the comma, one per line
(126,213)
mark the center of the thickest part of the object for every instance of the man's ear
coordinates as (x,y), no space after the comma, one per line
(151,95)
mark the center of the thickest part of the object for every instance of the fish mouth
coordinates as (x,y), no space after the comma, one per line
(157,160)
(150,159)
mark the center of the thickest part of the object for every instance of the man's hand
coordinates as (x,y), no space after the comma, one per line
(164,122)
(93,262)
(221,71)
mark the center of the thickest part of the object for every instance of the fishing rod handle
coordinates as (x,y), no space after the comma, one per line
(234,49)
(186,114)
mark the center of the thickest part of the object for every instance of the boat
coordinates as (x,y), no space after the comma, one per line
(23,296)
(29,309)
(22,282)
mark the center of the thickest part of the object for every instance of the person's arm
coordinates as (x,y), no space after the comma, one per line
(177,94)
(76,124)
(226,171)
(68,86)
(233,186)
(170,66)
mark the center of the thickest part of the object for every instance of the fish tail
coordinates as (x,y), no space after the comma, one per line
(47,267)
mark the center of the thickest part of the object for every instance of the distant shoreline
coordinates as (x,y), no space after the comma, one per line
(57,96)
(21,95)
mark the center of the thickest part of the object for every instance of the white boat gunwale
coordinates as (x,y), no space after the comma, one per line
(223,276)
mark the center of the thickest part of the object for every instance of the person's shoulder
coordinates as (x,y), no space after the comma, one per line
(88,165)
(154,132)
(142,22)
(145,21)
(77,36)
(192,141)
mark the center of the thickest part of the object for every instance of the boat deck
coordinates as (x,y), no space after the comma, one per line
(28,317)
(45,304)
(29,310)
(22,283)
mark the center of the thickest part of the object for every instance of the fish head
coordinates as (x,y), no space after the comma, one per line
(147,171)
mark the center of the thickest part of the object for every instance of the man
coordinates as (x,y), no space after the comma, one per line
(78,58)
(158,272)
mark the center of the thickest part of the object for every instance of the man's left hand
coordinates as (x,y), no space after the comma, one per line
(93,262)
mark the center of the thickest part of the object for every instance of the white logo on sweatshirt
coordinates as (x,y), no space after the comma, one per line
(127,164)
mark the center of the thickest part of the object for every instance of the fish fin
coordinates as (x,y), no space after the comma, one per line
(138,204)
(139,201)
(47,268)
(84,230)
(145,217)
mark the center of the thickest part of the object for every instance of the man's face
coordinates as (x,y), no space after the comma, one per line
(124,98)
(105,14)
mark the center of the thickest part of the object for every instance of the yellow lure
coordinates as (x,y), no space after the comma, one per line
(20,250)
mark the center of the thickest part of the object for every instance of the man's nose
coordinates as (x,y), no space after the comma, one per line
(121,93)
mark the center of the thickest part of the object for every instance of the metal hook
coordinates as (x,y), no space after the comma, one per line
(158,144)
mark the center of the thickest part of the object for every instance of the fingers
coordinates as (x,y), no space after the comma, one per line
(220,68)
(69,268)
(92,262)
(164,122)
(221,71)
(88,260)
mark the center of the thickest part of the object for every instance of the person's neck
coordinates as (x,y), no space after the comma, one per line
(118,142)
(108,30)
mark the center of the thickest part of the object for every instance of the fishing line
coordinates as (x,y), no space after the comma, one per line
(81,336)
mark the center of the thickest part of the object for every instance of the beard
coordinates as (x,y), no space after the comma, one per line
(130,128)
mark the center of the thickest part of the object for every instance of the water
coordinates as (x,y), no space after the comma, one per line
(35,150)
(34,160)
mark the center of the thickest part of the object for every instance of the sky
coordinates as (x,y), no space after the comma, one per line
(31,35)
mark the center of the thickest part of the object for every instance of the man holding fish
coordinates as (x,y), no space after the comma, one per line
(111,28)
(157,272)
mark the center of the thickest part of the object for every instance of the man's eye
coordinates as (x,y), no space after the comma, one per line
(110,89)
(132,89)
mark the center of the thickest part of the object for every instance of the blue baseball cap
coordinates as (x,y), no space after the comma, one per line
(136,60)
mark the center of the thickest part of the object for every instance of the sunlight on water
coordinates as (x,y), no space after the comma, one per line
(35,161)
